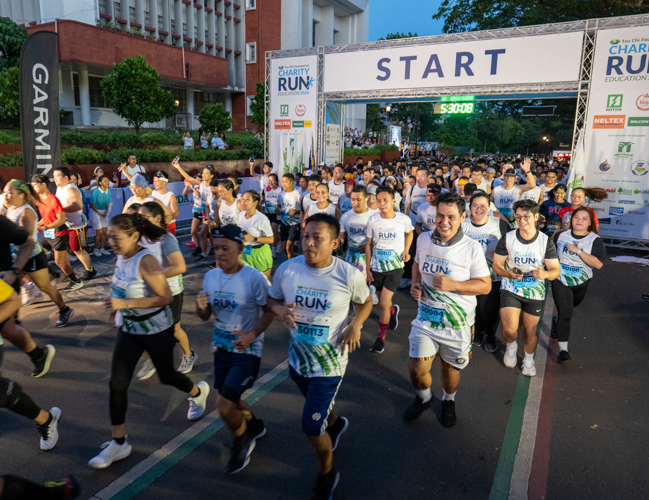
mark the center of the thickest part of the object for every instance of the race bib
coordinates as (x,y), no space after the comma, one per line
(526,282)
(247,250)
(49,234)
(431,311)
(384,254)
(311,330)
(223,339)
(574,271)
(506,211)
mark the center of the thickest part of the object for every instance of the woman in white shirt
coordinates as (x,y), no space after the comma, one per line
(188,141)
(323,205)
(259,234)
(97,173)
(205,138)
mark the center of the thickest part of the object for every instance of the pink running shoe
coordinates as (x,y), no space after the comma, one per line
(191,244)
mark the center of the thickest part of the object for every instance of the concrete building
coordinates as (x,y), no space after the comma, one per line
(205,51)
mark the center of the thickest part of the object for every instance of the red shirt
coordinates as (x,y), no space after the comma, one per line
(50,208)
(565,215)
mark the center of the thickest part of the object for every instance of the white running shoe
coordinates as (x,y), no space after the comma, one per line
(197,404)
(147,370)
(187,363)
(510,355)
(28,294)
(528,367)
(96,253)
(104,251)
(50,433)
(111,452)
(375,298)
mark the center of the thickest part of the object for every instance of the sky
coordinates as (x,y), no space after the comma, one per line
(413,16)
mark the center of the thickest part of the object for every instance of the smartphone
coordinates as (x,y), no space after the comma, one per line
(252,158)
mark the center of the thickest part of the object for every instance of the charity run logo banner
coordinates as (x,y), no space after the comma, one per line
(534,59)
(293,112)
(617,130)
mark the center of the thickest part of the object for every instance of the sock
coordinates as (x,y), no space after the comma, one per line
(241,429)
(199,392)
(563,346)
(204,254)
(26,407)
(16,488)
(73,278)
(383,331)
(513,345)
(426,394)
(36,354)
(63,309)
(247,415)
(529,356)
(392,311)
(120,441)
(90,270)
(48,421)
(448,397)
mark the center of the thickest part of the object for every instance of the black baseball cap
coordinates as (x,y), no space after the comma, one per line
(229,232)
(510,171)
(162,175)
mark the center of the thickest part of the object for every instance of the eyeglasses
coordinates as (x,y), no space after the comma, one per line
(524,217)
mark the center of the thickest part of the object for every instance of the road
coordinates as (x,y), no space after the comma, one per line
(577,432)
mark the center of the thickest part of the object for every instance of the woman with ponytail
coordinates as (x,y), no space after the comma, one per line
(139,303)
(577,198)
(258,234)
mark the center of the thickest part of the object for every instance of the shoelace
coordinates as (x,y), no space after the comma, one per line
(44,431)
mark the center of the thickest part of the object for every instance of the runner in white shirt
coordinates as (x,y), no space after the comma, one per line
(271,200)
(258,234)
(130,168)
(450,270)
(353,226)
(188,142)
(323,205)
(237,336)
(288,208)
(389,236)
(519,258)
(550,184)
(310,198)
(337,184)
(226,212)
(263,179)
(535,194)
(427,212)
(312,294)
(345,201)
(506,195)
(168,199)
(415,196)
(487,231)
(477,178)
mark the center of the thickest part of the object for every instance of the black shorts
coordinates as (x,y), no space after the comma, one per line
(36,263)
(528,306)
(290,233)
(390,280)
(273,218)
(234,373)
(58,243)
(198,216)
(177,307)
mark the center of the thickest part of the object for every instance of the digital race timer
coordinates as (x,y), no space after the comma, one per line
(453,108)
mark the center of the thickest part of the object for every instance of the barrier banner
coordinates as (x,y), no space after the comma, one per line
(617,132)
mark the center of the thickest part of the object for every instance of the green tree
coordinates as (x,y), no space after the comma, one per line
(12,38)
(258,106)
(215,117)
(374,118)
(397,35)
(9,97)
(133,89)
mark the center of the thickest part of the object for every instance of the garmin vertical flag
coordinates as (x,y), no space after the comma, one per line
(39,104)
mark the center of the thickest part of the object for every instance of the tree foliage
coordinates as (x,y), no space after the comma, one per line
(133,89)
(215,117)
(258,105)
(468,15)
(397,35)
(12,38)
(9,97)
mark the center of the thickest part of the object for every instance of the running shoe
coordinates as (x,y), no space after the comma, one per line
(379,346)
(553,331)
(88,275)
(73,258)
(54,275)
(448,413)
(212,266)
(64,317)
(478,337)
(201,259)
(42,366)
(50,432)
(73,285)
(187,363)
(147,370)
(68,486)
(197,251)
(405,283)
(336,430)
(190,244)
(96,253)
(111,452)
(241,450)
(490,344)
(417,408)
(394,317)
(256,427)
(197,403)
(564,357)
(375,298)
(509,359)
(104,251)
(325,485)
(528,367)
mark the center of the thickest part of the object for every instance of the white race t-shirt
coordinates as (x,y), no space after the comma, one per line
(353,225)
(344,203)
(415,196)
(336,191)
(322,298)
(532,194)
(504,200)
(426,216)
(270,200)
(388,240)
(258,225)
(488,235)
(133,170)
(263,182)
(289,201)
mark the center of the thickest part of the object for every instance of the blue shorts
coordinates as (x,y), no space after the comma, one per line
(320,393)
(234,373)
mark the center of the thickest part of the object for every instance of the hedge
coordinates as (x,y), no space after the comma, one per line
(362,152)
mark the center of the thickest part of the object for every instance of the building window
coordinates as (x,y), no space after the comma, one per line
(207,36)
(147,18)
(195,31)
(173,26)
(102,7)
(97,98)
(75,86)
(250,98)
(202,99)
(131,14)
(179,96)
(160,23)
(251,52)
(251,4)
(184,29)
(118,10)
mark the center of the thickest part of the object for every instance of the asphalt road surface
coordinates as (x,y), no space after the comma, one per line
(575,431)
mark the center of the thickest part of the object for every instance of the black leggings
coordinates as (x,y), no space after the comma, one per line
(407,267)
(488,310)
(13,398)
(566,299)
(128,350)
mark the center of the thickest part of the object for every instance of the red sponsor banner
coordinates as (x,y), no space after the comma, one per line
(282,124)
(609,121)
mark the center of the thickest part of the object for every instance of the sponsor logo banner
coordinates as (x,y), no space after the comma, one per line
(608,121)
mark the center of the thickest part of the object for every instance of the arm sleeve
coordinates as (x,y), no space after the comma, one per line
(275,291)
(266,228)
(343,228)
(551,250)
(599,250)
(408,224)
(501,248)
(504,227)
(5,291)
(260,287)
(359,289)
(368,228)
(479,268)
(169,245)
(93,198)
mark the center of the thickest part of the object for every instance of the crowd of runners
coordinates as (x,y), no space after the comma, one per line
(476,243)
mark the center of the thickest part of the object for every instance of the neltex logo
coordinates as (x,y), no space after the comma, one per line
(609,121)
(614,102)
(639,168)
(624,150)
(283,110)
(282,124)
(642,102)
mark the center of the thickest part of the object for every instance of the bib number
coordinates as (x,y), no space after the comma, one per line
(526,282)
(49,234)
(312,331)
(431,311)
(223,339)
(385,255)
(574,271)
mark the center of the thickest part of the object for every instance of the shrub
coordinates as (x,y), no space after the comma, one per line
(362,152)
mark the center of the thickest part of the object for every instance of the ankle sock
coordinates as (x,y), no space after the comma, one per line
(383,331)
(563,346)
(247,416)
(512,345)
(120,441)
(426,394)
(448,397)
(36,354)
(529,357)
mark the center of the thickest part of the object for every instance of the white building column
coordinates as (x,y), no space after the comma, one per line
(166,20)
(307,23)
(324,30)
(139,14)
(201,14)
(189,97)
(153,13)
(84,97)
(178,19)
(189,12)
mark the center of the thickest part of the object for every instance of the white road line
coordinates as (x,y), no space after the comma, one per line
(523,462)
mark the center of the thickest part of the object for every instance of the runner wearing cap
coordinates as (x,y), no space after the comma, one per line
(372,204)
(237,335)
(337,185)
(258,234)
(167,198)
(137,186)
(345,201)
(506,195)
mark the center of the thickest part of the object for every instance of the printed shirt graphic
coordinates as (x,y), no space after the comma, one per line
(388,241)
(504,201)
(344,203)
(488,236)
(270,200)
(263,182)
(200,202)
(525,256)
(461,262)
(321,298)
(532,194)
(336,191)
(353,225)
(237,301)
(415,196)
(290,201)
(426,216)
(228,214)
(575,271)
